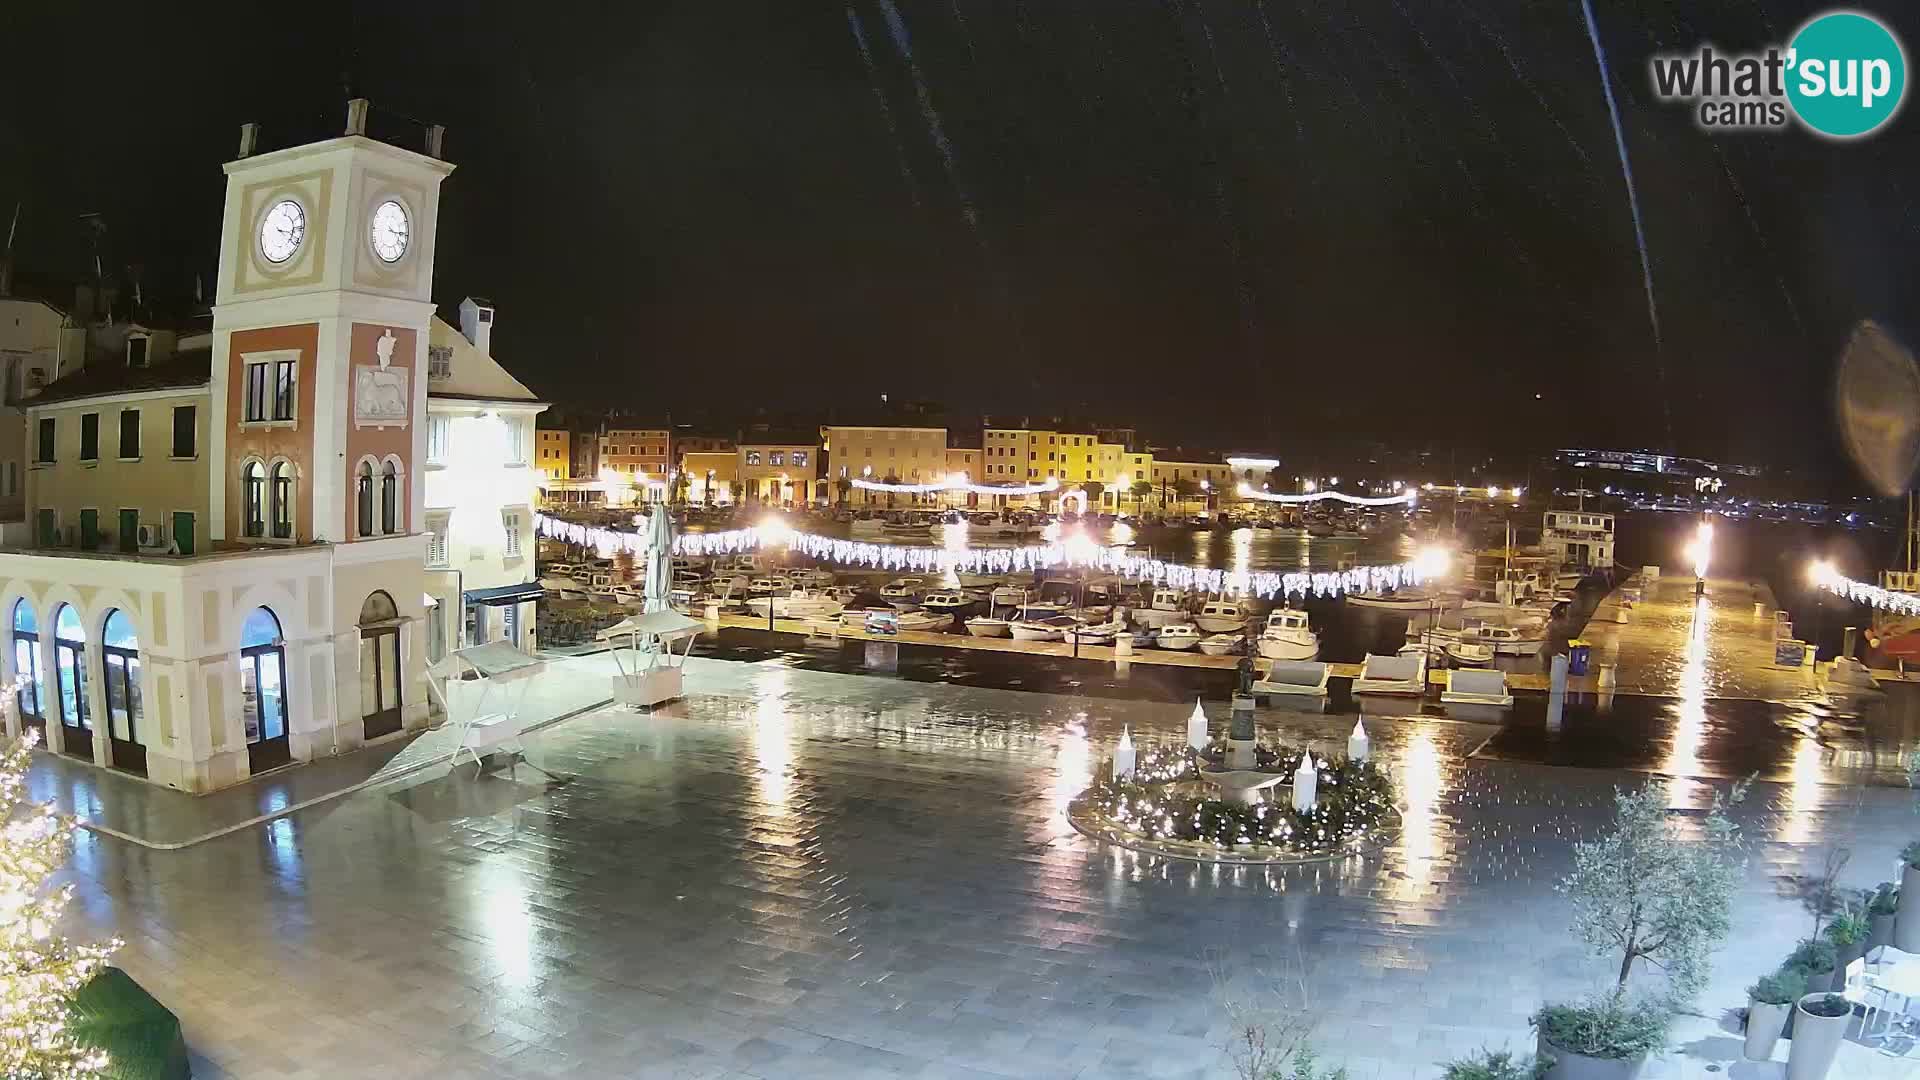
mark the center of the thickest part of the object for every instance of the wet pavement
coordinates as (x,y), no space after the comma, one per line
(800,874)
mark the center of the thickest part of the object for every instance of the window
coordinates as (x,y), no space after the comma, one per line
(510,520)
(389,499)
(439,431)
(129,433)
(753,457)
(799,459)
(437,541)
(439,361)
(516,442)
(137,350)
(253,488)
(270,391)
(363,498)
(283,501)
(184,419)
(776,458)
(89,436)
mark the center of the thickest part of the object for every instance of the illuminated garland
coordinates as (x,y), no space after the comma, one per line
(1355,798)
(957,483)
(1079,553)
(1407,499)
(1826,577)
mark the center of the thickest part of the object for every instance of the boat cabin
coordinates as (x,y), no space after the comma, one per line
(1579,538)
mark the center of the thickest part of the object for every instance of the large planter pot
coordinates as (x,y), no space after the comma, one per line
(1906,921)
(1816,1041)
(1838,981)
(1568,1065)
(1764,1024)
(1880,930)
(1814,978)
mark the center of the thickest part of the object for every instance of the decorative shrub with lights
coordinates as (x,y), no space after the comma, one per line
(1354,802)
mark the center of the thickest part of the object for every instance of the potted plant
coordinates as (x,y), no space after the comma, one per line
(1880,911)
(1769,1003)
(1848,933)
(1494,1065)
(1819,1025)
(1816,959)
(1640,892)
(1605,1038)
(1906,921)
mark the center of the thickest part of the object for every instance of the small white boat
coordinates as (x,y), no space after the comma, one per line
(946,603)
(1468,653)
(1007,596)
(1050,628)
(1398,601)
(922,620)
(900,592)
(1101,633)
(1221,644)
(799,604)
(810,578)
(1289,636)
(1177,636)
(842,593)
(1169,605)
(1220,616)
(983,626)
(857,617)
(1507,640)
(769,586)
(1039,609)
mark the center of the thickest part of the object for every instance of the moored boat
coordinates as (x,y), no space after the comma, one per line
(1177,636)
(1221,644)
(986,626)
(1289,636)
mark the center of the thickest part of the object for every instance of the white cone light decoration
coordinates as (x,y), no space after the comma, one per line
(1304,781)
(1197,727)
(1357,744)
(1124,756)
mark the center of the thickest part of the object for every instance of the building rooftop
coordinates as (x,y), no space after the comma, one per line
(102,376)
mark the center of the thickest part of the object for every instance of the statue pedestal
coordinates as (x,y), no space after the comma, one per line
(1240,741)
(1241,785)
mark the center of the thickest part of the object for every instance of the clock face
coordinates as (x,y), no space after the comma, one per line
(282,231)
(390,231)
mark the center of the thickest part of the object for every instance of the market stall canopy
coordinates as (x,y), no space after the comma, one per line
(667,625)
(499,660)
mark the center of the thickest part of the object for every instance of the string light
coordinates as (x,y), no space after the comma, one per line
(1248,491)
(1826,577)
(1070,552)
(40,971)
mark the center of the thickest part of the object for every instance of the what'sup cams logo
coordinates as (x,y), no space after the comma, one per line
(1843,76)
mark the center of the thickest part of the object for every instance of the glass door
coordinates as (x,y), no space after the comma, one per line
(264,706)
(380,680)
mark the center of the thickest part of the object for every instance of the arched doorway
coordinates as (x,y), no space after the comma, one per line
(379,665)
(120,648)
(70,667)
(26,661)
(263,691)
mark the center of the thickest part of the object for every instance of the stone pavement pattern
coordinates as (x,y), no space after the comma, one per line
(799,875)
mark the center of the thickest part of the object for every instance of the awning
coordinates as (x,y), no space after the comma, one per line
(518,593)
(667,624)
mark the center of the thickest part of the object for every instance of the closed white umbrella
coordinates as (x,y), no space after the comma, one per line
(659,558)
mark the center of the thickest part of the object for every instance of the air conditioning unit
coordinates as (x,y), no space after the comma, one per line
(152,537)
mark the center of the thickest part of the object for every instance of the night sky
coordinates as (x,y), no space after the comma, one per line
(1251,221)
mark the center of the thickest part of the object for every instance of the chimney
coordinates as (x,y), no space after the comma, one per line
(436,134)
(357,116)
(249,138)
(476,322)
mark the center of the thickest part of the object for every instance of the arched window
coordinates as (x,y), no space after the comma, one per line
(120,653)
(263,690)
(389,499)
(253,483)
(363,498)
(283,500)
(26,661)
(70,664)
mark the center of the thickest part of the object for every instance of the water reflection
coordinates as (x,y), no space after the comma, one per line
(505,923)
(1803,795)
(1073,767)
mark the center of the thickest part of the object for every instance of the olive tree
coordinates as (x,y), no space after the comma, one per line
(1642,891)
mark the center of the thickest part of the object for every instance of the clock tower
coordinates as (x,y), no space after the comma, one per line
(318,400)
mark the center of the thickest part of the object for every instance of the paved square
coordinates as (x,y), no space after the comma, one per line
(798,874)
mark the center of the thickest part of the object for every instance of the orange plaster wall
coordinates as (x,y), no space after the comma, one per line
(293,443)
(377,443)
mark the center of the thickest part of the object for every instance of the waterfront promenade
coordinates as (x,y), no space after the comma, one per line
(797,874)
